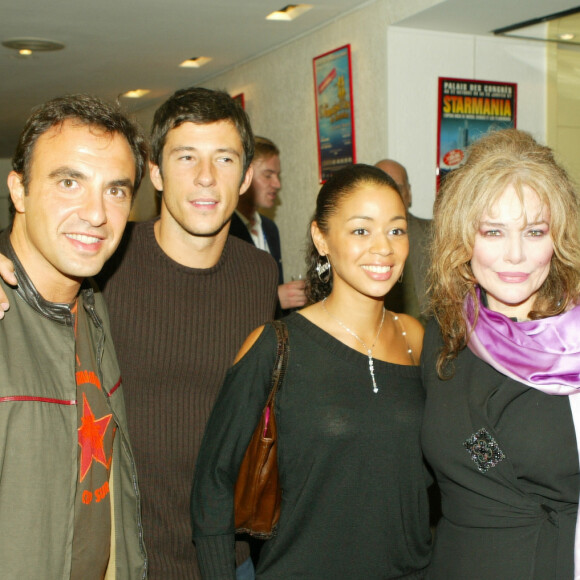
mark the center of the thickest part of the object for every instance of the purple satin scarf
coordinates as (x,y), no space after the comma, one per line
(543,354)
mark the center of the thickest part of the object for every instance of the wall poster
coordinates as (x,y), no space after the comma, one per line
(467,110)
(334,111)
(240,99)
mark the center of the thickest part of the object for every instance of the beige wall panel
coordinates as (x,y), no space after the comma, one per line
(568,152)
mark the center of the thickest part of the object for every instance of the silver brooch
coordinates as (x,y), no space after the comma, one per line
(484,450)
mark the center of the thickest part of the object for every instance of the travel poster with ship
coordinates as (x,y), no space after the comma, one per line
(334,111)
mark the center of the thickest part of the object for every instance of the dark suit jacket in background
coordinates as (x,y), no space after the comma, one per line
(239,229)
(410,296)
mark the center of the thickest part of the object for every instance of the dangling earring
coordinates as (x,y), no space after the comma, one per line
(400,280)
(323,269)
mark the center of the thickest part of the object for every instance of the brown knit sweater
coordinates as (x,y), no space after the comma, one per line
(176,332)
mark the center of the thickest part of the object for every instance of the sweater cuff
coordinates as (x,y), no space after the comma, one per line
(216,557)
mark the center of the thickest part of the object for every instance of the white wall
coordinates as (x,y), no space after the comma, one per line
(417,58)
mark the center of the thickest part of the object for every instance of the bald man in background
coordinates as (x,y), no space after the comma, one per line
(410,295)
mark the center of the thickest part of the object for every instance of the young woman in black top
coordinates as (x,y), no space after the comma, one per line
(348,413)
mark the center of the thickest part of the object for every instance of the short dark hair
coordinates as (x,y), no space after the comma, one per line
(201,106)
(87,110)
(264,147)
(340,185)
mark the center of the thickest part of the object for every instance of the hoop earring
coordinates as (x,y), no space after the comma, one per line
(323,269)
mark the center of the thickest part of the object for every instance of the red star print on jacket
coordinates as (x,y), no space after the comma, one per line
(91,433)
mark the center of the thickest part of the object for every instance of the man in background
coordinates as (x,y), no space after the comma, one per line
(257,229)
(69,501)
(410,295)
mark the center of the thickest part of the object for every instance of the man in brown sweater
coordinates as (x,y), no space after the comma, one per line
(182,298)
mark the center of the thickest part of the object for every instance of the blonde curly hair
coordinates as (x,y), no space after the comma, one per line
(496,161)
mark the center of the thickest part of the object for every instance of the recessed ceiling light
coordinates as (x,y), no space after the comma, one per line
(566,36)
(195,62)
(27,46)
(289,12)
(136,94)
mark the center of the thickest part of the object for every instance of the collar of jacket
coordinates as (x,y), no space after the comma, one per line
(55,311)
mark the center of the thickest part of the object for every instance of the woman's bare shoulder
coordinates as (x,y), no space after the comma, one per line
(249,343)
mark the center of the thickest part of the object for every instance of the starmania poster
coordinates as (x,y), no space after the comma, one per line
(467,110)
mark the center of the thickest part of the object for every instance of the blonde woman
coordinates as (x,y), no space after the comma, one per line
(501,365)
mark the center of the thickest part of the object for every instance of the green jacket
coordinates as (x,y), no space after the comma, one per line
(39,443)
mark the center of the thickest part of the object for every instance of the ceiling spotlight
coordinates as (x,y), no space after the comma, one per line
(566,36)
(26,46)
(136,94)
(195,62)
(289,12)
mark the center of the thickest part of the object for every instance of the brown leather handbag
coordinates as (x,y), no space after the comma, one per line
(257,494)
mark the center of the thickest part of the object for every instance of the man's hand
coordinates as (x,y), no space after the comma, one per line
(7,274)
(291,294)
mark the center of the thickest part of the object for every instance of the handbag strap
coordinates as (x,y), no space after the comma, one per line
(282,352)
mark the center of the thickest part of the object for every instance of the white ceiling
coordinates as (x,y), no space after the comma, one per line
(116,45)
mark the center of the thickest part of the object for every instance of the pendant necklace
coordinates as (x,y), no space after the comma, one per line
(369,350)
